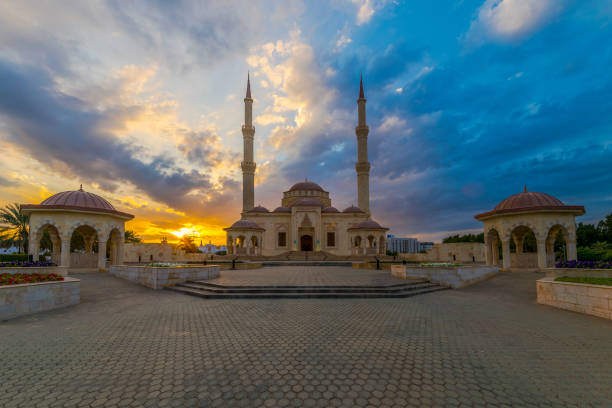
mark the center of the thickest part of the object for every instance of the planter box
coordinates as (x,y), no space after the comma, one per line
(578,297)
(160,277)
(28,298)
(60,270)
(453,276)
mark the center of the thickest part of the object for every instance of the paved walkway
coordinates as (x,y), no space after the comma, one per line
(126,345)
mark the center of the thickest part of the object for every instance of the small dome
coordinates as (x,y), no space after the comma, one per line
(528,199)
(80,199)
(353,209)
(369,225)
(245,224)
(259,209)
(282,210)
(307,202)
(330,210)
(306,186)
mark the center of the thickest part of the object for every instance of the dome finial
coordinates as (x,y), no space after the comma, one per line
(81,188)
(525,189)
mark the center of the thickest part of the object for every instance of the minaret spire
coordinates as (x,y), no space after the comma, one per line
(248,164)
(362,166)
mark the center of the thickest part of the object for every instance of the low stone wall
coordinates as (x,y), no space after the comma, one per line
(454,276)
(240,265)
(160,277)
(578,273)
(372,265)
(28,298)
(578,297)
(60,270)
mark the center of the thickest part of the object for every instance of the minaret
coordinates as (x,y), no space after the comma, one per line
(248,164)
(362,166)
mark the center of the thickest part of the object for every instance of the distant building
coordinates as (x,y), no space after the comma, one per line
(11,250)
(425,246)
(211,249)
(402,245)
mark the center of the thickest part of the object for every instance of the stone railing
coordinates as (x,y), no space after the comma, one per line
(159,277)
(453,276)
(28,298)
(579,297)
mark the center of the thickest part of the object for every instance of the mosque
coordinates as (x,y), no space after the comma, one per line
(306,220)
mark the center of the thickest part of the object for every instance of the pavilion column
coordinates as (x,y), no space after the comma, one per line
(541,253)
(518,242)
(488,254)
(572,253)
(506,253)
(102,254)
(120,252)
(65,252)
(34,247)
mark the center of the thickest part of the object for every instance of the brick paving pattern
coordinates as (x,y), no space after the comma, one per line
(126,345)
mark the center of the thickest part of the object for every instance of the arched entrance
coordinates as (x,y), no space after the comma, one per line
(306,243)
(84,247)
(523,248)
(493,246)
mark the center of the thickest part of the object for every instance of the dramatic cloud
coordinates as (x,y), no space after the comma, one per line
(511,20)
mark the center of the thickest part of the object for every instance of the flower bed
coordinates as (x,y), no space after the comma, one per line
(584,264)
(21,278)
(26,264)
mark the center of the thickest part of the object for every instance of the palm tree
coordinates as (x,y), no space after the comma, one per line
(130,236)
(13,228)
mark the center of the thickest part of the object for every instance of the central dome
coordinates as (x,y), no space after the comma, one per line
(306,186)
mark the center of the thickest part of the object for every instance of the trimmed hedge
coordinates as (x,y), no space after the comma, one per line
(590,254)
(13,257)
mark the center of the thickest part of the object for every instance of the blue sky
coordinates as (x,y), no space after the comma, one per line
(467,102)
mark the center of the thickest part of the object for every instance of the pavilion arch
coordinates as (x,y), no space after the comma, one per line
(530,212)
(114,246)
(493,246)
(55,236)
(84,246)
(557,248)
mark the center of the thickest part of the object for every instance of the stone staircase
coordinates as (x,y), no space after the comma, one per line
(213,291)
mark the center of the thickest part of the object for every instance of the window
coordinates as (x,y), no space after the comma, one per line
(331,239)
(282,239)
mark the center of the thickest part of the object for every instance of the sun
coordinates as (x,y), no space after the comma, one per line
(192,232)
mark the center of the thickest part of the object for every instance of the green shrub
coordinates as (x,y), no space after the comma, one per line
(590,254)
(13,257)
(221,253)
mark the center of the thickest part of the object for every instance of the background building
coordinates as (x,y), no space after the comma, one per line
(402,245)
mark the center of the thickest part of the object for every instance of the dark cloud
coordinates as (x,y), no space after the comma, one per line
(65,133)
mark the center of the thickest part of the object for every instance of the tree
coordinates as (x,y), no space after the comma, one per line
(464,238)
(186,244)
(13,228)
(131,237)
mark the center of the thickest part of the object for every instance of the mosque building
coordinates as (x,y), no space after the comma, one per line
(306,220)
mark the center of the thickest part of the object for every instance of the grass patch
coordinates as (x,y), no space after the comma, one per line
(591,281)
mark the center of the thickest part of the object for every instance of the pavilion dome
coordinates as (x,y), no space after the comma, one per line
(80,199)
(282,210)
(245,225)
(528,199)
(259,209)
(368,225)
(330,210)
(352,209)
(306,186)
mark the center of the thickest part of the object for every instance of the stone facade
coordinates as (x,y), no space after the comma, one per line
(161,277)
(28,298)
(142,252)
(578,297)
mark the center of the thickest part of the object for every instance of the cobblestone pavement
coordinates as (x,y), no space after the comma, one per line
(126,345)
(306,276)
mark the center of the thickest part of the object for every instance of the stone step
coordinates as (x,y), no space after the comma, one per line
(306,289)
(304,295)
(395,285)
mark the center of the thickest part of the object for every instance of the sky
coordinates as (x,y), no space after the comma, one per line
(468,101)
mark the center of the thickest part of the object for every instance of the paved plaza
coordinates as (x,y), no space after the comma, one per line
(126,345)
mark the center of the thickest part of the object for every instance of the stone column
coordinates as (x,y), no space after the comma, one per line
(572,253)
(102,254)
(488,252)
(65,252)
(34,247)
(541,253)
(518,242)
(506,253)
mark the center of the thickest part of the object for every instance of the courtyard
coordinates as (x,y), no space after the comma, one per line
(126,345)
